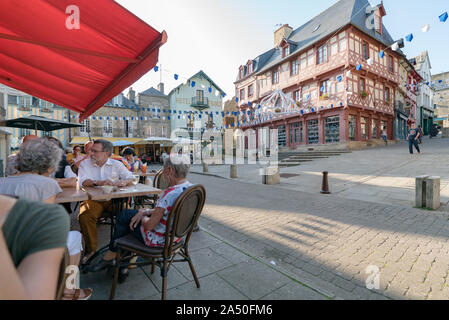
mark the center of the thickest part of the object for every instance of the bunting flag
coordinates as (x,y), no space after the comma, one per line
(193,84)
(156,68)
(395,46)
(359,67)
(425,28)
(370,61)
(176,77)
(443,17)
(409,38)
(339,79)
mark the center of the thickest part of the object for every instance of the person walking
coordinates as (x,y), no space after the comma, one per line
(421,134)
(385,135)
(413,136)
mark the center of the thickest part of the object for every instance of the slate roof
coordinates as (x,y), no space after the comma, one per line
(204,75)
(330,21)
(126,103)
(153,92)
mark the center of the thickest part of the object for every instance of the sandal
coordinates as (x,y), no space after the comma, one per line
(76,294)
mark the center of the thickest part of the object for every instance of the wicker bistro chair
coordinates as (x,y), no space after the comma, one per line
(183,218)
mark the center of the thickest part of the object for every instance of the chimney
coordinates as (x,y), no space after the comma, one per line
(131,94)
(283,32)
(160,87)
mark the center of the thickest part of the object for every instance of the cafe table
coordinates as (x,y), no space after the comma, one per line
(69,195)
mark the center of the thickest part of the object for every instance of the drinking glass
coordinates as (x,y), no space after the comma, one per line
(136,179)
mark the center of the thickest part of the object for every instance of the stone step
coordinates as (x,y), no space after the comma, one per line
(308,157)
(291,164)
(296,160)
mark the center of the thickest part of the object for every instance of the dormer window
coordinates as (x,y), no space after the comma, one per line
(249,67)
(285,51)
(241,74)
(378,14)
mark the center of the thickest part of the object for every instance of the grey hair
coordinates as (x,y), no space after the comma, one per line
(180,164)
(105,145)
(38,156)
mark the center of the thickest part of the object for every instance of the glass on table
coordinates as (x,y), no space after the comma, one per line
(136,178)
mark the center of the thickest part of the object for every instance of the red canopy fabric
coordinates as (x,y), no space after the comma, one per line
(79,69)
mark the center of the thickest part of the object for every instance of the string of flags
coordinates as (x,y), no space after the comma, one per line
(192,83)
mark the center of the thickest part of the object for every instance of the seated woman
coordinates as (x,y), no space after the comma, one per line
(36,162)
(129,161)
(146,225)
(32,240)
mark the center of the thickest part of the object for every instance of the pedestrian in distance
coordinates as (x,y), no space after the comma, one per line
(385,135)
(421,134)
(413,136)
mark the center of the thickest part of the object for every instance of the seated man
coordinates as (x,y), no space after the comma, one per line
(147,225)
(98,170)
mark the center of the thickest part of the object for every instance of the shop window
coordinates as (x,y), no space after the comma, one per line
(332,129)
(312,132)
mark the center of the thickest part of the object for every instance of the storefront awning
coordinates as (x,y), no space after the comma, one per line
(46,53)
(83,140)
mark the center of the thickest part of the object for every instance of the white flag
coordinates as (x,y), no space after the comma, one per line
(425,28)
(348,74)
(395,46)
(370,61)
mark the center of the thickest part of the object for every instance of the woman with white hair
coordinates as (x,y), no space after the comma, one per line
(36,162)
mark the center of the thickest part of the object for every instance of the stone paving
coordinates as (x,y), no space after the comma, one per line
(381,175)
(225,272)
(328,242)
(265,242)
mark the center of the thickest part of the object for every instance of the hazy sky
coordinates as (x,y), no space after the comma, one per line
(219,36)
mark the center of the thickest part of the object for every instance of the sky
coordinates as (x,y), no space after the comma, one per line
(219,36)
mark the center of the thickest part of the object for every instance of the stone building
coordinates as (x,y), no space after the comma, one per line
(20,104)
(425,105)
(317,65)
(440,84)
(155,100)
(199,101)
(132,118)
(230,119)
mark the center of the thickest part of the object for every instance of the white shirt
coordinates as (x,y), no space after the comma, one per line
(89,170)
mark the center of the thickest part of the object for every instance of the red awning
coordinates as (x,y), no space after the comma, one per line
(79,69)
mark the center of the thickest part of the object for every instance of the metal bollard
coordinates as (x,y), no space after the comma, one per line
(205,167)
(325,185)
(233,173)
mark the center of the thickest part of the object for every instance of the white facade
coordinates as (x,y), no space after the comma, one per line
(424,102)
(195,103)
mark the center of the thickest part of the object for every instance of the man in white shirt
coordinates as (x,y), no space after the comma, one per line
(98,170)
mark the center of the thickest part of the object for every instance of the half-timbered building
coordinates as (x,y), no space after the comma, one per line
(339,66)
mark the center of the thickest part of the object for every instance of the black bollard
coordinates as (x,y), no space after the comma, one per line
(325,186)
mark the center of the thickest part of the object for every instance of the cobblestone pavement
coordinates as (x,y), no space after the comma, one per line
(382,175)
(328,242)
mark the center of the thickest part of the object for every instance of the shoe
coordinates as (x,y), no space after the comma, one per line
(103,264)
(76,294)
(196,229)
